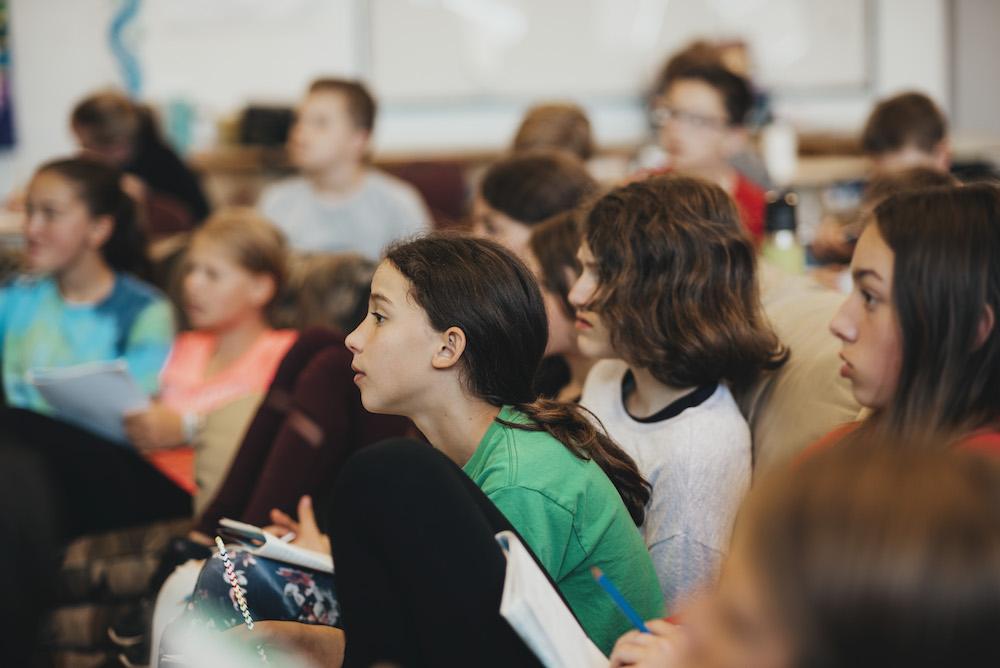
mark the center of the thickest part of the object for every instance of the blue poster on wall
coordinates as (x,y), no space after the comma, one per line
(6,103)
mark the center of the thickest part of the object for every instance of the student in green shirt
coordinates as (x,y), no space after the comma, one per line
(455,333)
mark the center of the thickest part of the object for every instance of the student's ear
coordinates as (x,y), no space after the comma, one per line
(100,231)
(360,141)
(942,155)
(986,323)
(450,349)
(262,289)
(736,139)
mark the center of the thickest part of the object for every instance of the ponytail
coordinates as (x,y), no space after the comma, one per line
(125,249)
(491,295)
(567,424)
(99,186)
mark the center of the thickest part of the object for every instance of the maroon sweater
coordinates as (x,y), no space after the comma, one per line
(308,424)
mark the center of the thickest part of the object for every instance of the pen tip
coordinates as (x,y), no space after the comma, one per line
(596,572)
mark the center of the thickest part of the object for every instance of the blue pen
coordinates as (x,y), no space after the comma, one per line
(619,600)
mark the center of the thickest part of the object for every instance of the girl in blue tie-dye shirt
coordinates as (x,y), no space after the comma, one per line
(82,301)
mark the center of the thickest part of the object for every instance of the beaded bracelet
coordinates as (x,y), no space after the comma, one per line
(230,577)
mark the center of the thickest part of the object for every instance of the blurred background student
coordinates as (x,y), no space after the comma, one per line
(111,127)
(340,203)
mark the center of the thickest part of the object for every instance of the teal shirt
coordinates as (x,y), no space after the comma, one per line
(38,328)
(573,518)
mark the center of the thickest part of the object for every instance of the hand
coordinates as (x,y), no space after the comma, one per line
(200,538)
(307,533)
(155,428)
(134,187)
(320,645)
(663,647)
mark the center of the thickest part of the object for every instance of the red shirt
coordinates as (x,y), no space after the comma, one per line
(985,441)
(751,202)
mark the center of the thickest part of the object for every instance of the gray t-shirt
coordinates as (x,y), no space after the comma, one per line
(698,463)
(383,210)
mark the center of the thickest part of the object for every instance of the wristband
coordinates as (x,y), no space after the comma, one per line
(191,423)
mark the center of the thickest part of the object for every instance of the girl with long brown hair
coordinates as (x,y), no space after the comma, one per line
(920,341)
(456,331)
(668,302)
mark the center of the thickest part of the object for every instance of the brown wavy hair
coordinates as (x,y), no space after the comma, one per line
(554,244)
(483,289)
(677,283)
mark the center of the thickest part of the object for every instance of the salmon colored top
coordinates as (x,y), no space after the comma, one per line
(185,389)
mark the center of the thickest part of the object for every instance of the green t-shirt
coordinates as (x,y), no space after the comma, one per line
(573,518)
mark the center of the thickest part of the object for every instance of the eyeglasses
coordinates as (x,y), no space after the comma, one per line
(660,116)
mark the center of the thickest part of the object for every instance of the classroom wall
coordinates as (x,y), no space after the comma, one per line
(59,52)
(976,87)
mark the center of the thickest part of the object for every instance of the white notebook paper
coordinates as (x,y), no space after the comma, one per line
(264,544)
(533,607)
(95,396)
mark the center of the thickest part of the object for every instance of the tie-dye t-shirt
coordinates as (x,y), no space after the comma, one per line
(38,329)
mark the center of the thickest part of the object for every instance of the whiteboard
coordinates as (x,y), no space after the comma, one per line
(223,53)
(448,50)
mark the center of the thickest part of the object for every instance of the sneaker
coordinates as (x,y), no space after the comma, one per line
(131,627)
(136,656)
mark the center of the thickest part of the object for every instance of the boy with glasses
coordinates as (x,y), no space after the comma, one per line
(699,114)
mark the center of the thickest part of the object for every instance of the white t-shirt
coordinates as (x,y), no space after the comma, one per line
(698,462)
(383,210)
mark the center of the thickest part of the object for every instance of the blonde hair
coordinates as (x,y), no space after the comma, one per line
(326,289)
(556,125)
(252,241)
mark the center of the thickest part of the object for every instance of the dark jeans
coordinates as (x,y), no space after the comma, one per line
(419,574)
(99,485)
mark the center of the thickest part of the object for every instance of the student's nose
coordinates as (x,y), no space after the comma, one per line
(842,326)
(579,294)
(355,338)
(31,223)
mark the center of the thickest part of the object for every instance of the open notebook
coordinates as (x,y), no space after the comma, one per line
(534,609)
(93,395)
(264,544)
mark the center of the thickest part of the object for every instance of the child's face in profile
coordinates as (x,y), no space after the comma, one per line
(593,336)
(219,293)
(394,349)
(867,326)
(694,127)
(324,135)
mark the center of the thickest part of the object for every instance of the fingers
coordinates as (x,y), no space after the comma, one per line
(630,649)
(284,520)
(307,518)
(276,530)
(662,628)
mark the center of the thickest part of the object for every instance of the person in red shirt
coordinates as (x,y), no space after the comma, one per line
(700,115)
(920,343)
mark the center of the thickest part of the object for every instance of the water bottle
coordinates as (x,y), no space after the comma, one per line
(781,245)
